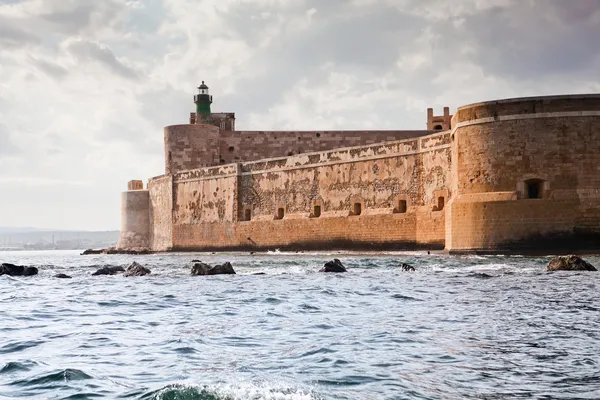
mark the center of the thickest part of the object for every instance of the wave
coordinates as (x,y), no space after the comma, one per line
(238,391)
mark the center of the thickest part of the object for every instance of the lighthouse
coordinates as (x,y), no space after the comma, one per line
(203,101)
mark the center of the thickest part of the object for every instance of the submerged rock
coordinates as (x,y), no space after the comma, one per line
(92,251)
(225,268)
(407,267)
(201,268)
(62,276)
(333,266)
(108,271)
(136,269)
(17,270)
(569,263)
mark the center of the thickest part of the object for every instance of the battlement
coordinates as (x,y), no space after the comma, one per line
(439,122)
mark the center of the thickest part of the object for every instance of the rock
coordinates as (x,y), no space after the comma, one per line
(225,268)
(108,271)
(333,266)
(17,270)
(569,263)
(62,276)
(196,261)
(407,267)
(92,251)
(200,269)
(136,269)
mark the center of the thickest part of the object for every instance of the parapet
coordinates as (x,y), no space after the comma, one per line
(439,122)
(135,185)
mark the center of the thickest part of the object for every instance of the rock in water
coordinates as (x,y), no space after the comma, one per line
(225,268)
(136,269)
(62,276)
(200,268)
(108,271)
(17,270)
(569,263)
(407,267)
(333,266)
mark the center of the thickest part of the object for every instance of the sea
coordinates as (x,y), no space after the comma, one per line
(458,327)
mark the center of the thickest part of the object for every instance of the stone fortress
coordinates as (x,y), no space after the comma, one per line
(502,175)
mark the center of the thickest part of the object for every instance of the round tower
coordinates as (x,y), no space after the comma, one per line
(203,101)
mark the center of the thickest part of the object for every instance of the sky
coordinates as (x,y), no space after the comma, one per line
(87,86)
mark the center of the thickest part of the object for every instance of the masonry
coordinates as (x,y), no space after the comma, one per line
(503,175)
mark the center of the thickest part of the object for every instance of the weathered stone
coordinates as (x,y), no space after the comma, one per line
(225,268)
(200,268)
(62,276)
(17,270)
(569,263)
(333,266)
(136,269)
(107,270)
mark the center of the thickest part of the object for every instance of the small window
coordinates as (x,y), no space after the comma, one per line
(437,127)
(534,188)
(318,134)
(291,153)
(357,209)
(401,208)
(440,203)
(280,213)
(247,214)
(316,211)
(231,148)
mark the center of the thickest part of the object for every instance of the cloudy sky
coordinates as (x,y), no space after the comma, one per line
(86,86)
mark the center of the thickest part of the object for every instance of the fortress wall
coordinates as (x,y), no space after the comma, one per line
(161,205)
(190,146)
(494,158)
(135,220)
(239,146)
(376,176)
(202,197)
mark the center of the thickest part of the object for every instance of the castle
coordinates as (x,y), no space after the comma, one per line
(500,175)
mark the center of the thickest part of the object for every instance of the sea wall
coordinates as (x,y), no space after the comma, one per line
(524,171)
(378,196)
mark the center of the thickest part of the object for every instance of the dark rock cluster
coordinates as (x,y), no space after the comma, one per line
(17,270)
(200,268)
(569,263)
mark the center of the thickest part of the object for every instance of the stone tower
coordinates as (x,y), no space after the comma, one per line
(203,101)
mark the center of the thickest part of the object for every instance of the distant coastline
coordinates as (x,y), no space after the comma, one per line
(26,238)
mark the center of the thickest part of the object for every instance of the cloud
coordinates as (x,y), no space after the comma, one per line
(86,86)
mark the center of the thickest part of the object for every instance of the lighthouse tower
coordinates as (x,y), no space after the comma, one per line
(203,101)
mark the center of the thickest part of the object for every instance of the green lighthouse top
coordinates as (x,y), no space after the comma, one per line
(203,101)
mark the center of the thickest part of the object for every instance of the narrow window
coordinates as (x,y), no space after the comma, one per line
(440,203)
(437,127)
(247,214)
(401,207)
(231,148)
(357,209)
(280,213)
(316,211)
(534,188)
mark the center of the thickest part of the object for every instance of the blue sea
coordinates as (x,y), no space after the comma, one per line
(459,327)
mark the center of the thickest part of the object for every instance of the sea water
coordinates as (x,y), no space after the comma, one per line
(470,327)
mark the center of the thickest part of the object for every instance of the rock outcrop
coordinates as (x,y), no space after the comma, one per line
(333,266)
(62,276)
(113,250)
(17,270)
(108,271)
(201,268)
(569,263)
(407,267)
(136,269)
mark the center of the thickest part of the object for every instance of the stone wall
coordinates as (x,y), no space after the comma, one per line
(550,142)
(212,205)
(161,219)
(135,220)
(190,146)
